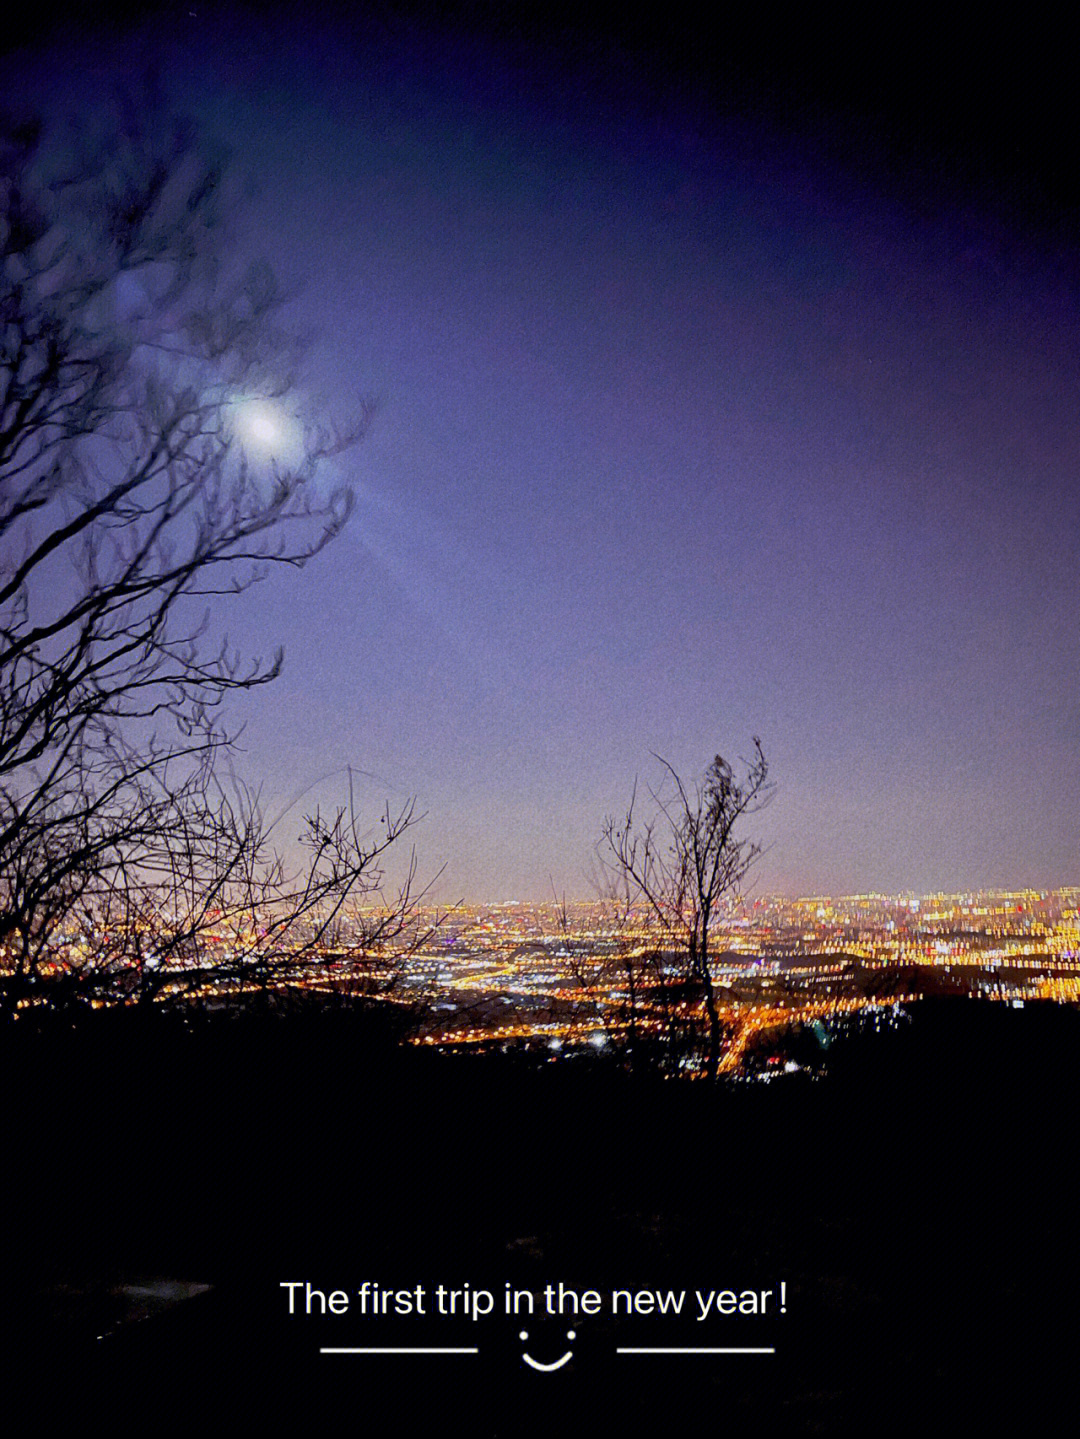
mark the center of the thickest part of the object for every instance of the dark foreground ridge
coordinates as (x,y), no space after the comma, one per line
(915,1204)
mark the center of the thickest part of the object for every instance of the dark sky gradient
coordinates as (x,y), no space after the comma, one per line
(725,390)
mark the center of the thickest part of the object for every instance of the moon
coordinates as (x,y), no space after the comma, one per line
(268,432)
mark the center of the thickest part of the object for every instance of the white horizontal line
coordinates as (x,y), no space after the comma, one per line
(695,1351)
(399,1351)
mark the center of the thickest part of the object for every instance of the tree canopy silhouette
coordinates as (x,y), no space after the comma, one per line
(154,461)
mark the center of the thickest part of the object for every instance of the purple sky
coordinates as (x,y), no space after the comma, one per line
(710,407)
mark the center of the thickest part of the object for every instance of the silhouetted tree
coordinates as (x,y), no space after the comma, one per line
(151,465)
(668,874)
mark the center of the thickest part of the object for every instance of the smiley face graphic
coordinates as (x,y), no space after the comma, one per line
(548,1368)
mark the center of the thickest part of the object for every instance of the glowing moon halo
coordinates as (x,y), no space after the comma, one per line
(266,431)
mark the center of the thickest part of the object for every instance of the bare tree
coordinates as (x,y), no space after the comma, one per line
(152,463)
(667,875)
(196,902)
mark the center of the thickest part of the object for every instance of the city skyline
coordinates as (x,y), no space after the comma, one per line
(717,398)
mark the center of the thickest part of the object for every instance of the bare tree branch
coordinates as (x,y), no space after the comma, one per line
(129,866)
(666,877)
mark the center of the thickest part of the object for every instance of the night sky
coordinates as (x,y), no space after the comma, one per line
(726,387)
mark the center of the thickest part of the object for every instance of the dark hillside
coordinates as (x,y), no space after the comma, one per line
(917,1203)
